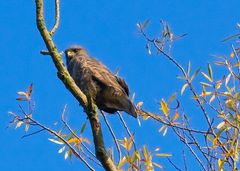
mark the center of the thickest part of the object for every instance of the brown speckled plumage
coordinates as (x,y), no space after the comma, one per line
(109,92)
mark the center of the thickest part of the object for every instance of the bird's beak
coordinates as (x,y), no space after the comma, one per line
(69,53)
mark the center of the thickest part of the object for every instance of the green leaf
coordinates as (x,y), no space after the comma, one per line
(145,24)
(210,71)
(195,74)
(188,68)
(83,127)
(172,98)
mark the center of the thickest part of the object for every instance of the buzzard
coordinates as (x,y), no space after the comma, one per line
(109,92)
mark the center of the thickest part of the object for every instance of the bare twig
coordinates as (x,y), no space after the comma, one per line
(113,135)
(211,130)
(58,136)
(57,17)
(75,135)
(36,132)
(45,52)
(168,123)
(127,129)
(173,164)
(184,160)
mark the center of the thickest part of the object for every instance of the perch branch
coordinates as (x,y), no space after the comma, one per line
(64,76)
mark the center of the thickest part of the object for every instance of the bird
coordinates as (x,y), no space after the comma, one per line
(109,92)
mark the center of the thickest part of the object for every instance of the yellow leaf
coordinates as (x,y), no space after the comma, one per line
(74,140)
(206,76)
(230,104)
(136,155)
(238,116)
(219,63)
(164,108)
(122,162)
(129,146)
(127,143)
(163,155)
(205,84)
(236,64)
(232,55)
(157,165)
(139,104)
(218,85)
(220,125)
(214,142)
(212,98)
(206,93)
(176,116)
(220,164)
(145,116)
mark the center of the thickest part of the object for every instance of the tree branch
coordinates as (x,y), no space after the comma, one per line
(89,107)
(57,17)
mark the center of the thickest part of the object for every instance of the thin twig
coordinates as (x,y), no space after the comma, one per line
(154,41)
(127,129)
(153,116)
(27,135)
(113,135)
(173,164)
(59,137)
(75,135)
(45,52)
(57,17)
(184,161)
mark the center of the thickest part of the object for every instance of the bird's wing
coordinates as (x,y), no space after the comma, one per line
(123,84)
(101,74)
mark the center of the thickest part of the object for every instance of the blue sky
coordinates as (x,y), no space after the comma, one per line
(108,30)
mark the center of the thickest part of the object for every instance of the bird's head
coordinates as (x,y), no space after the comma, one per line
(75,51)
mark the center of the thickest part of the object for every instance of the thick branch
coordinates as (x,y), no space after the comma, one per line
(90,108)
(56,57)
